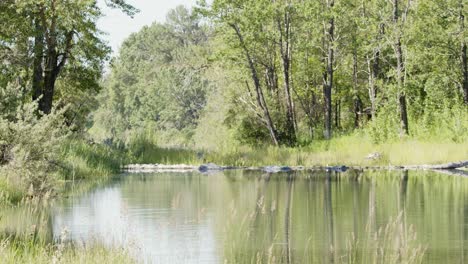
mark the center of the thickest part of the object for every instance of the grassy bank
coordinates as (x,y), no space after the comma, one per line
(349,150)
(90,161)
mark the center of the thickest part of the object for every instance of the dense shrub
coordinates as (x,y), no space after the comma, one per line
(29,144)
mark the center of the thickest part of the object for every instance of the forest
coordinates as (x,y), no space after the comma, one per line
(288,73)
(234,82)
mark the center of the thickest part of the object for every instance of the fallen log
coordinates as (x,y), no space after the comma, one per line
(146,168)
(447,166)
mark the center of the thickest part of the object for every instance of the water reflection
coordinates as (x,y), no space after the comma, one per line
(239,217)
(138,214)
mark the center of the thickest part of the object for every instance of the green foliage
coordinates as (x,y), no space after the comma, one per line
(29,146)
(431,36)
(90,161)
(54,51)
(157,83)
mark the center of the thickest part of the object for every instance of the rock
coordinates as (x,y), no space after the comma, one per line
(276,169)
(271,169)
(209,167)
(341,168)
(374,156)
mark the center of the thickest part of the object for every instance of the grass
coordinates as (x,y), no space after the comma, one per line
(9,193)
(26,237)
(393,243)
(30,251)
(155,154)
(79,161)
(87,161)
(349,150)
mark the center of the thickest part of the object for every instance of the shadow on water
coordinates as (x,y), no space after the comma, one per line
(287,217)
(328,214)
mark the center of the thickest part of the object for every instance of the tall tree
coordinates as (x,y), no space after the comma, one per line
(285,43)
(63,33)
(399,19)
(329,57)
(464,57)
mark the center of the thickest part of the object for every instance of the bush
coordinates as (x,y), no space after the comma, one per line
(29,144)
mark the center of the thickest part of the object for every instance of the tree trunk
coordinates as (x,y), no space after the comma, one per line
(285,49)
(328,75)
(258,89)
(374,72)
(337,113)
(465,74)
(44,78)
(357,100)
(45,103)
(37,82)
(463,54)
(372,88)
(400,73)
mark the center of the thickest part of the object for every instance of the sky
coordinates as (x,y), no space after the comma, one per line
(119,26)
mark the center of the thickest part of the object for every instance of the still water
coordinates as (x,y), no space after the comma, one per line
(251,217)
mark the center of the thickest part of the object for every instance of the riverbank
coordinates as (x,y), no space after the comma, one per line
(95,163)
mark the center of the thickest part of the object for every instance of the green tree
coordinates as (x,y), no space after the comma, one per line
(62,33)
(157,82)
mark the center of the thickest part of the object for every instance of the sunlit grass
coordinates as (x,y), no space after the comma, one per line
(86,161)
(349,150)
(9,193)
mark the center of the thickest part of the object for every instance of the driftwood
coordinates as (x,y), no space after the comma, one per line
(146,168)
(447,166)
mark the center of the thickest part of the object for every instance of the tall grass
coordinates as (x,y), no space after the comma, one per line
(9,193)
(85,160)
(30,251)
(349,150)
(393,243)
(26,237)
(143,148)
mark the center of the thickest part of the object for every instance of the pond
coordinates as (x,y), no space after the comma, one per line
(250,217)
